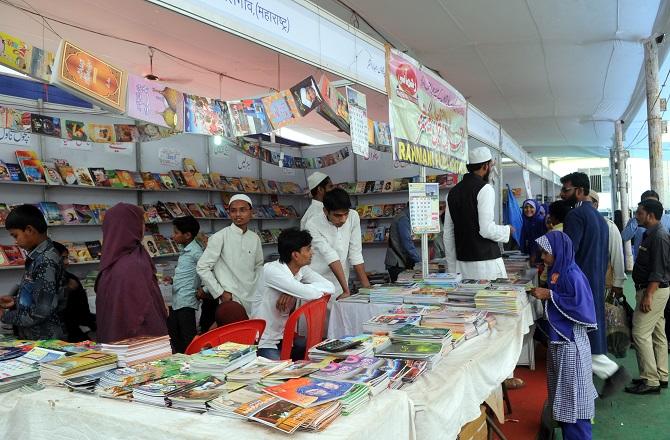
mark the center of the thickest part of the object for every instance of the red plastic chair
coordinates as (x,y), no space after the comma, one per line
(315,315)
(243,332)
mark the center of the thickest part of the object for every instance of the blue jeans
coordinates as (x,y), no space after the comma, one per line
(268,353)
(581,430)
(297,351)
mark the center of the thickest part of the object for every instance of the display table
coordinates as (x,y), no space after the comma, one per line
(55,413)
(449,396)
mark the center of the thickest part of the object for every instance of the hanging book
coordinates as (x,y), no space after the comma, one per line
(90,77)
(126,133)
(75,131)
(281,109)
(238,118)
(203,115)
(154,102)
(45,125)
(101,133)
(257,118)
(306,95)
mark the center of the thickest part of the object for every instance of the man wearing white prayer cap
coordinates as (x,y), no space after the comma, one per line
(471,237)
(233,260)
(319,184)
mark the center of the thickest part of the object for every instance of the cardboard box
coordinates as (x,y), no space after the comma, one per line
(477,429)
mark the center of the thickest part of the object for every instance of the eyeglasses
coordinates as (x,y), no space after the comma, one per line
(564,189)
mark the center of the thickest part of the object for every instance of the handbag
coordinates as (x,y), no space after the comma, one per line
(618,325)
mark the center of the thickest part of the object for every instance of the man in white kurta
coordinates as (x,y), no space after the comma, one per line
(319,184)
(337,242)
(616,270)
(291,276)
(485,233)
(232,261)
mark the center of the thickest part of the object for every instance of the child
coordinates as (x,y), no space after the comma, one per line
(36,307)
(283,281)
(231,263)
(185,284)
(77,312)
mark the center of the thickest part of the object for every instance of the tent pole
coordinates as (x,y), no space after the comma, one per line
(424,237)
(622,183)
(654,117)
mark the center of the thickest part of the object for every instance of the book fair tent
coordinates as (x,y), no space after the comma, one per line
(216,98)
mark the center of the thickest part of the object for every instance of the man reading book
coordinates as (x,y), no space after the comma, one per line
(281,283)
(35,307)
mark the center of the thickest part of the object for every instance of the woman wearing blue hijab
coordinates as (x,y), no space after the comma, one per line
(569,315)
(533,227)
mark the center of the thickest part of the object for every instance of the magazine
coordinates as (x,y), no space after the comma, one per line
(308,392)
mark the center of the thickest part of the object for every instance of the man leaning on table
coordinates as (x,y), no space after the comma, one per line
(319,184)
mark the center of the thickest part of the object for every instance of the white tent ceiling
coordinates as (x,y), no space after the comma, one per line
(555,74)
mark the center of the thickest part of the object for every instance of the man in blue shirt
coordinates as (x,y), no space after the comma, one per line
(634,232)
(401,253)
(185,284)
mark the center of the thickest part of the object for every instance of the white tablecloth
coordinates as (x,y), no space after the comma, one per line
(56,414)
(449,396)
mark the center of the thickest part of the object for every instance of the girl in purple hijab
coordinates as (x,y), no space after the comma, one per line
(569,315)
(533,227)
(128,301)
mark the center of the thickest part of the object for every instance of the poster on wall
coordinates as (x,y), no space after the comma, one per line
(91,77)
(426,114)
(154,102)
(526,182)
(424,207)
(358,120)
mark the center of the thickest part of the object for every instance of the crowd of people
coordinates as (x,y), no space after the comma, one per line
(578,251)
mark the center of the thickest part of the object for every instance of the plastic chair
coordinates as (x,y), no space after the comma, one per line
(315,315)
(243,332)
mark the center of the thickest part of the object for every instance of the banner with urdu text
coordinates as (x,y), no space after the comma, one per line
(426,114)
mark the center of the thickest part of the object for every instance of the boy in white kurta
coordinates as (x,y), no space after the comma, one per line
(232,262)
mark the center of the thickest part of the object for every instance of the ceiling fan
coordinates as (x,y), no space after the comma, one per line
(151,76)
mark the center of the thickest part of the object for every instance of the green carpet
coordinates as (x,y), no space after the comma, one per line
(627,416)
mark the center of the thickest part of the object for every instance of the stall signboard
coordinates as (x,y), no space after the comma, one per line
(424,207)
(90,77)
(427,116)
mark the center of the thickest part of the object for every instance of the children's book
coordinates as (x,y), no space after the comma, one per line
(51,212)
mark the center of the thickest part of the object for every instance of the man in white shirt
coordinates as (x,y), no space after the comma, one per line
(281,283)
(471,236)
(319,184)
(337,242)
(616,270)
(232,262)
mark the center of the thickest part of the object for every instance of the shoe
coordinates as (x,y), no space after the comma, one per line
(615,383)
(514,383)
(664,383)
(642,388)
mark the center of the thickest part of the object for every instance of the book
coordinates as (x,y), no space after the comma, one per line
(175,210)
(4,212)
(196,398)
(227,185)
(113,179)
(155,392)
(81,253)
(167,181)
(149,182)
(215,178)
(15,173)
(125,178)
(13,255)
(67,174)
(84,214)
(178,178)
(307,392)
(51,213)
(51,175)
(32,170)
(163,245)
(94,249)
(207,179)
(221,210)
(138,180)
(163,211)
(195,211)
(4,172)
(209,210)
(199,180)
(189,178)
(84,177)
(188,164)
(99,177)
(149,244)
(151,214)
(68,214)
(360,187)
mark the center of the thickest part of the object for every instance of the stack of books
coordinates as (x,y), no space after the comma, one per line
(468,324)
(501,300)
(443,280)
(256,370)
(389,293)
(225,406)
(402,372)
(14,374)
(522,284)
(195,399)
(156,392)
(386,323)
(222,359)
(365,349)
(357,398)
(88,363)
(430,352)
(137,350)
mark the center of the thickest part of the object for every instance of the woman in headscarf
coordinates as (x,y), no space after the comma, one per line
(569,315)
(533,227)
(128,301)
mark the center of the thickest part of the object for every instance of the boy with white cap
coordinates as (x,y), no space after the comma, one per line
(319,184)
(233,260)
(471,236)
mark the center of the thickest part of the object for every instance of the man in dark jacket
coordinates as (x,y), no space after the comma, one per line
(401,253)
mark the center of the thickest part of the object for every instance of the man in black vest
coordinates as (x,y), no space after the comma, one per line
(471,236)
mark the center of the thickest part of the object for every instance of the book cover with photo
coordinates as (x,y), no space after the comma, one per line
(45,125)
(99,177)
(151,214)
(84,177)
(51,212)
(306,95)
(75,131)
(126,133)
(307,392)
(174,209)
(149,244)
(256,115)
(238,118)
(281,109)
(94,248)
(163,211)
(4,172)
(102,133)
(51,175)
(203,115)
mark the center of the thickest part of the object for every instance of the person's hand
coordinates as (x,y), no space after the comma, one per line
(6,302)
(618,292)
(167,279)
(202,295)
(540,293)
(512,230)
(344,294)
(226,297)
(286,302)
(645,304)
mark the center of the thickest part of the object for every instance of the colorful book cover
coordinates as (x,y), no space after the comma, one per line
(207,179)
(238,118)
(256,115)
(189,164)
(75,131)
(126,133)
(14,53)
(51,212)
(179,179)
(307,392)
(84,177)
(101,133)
(149,181)
(69,215)
(376,211)
(4,212)
(113,179)
(215,179)
(45,125)
(209,210)
(3,258)
(199,180)
(163,211)
(204,115)
(195,211)
(67,174)
(154,102)
(163,245)
(189,179)
(151,214)
(221,210)
(167,181)
(4,172)
(13,254)
(387,211)
(306,95)
(81,253)
(281,108)
(360,187)
(84,214)
(99,177)
(51,175)
(236,182)
(279,415)
(174,209)
(383,133)
(94,249)
(32,170)
(15,120)
(125,178)
(138,180)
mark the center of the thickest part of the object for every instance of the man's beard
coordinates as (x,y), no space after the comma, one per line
(487,176)
(572,201)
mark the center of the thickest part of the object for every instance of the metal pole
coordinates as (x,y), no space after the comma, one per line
(614,193)
(622,183)
(654,117)
(424,237)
